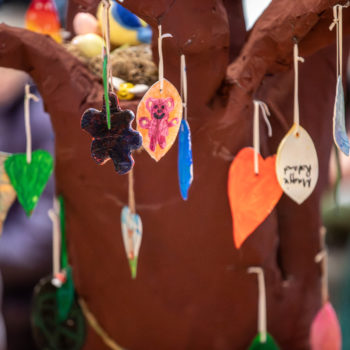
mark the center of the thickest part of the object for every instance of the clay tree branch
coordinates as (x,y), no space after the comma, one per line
(37,54)
(268,49)
(270,44)
(200,29)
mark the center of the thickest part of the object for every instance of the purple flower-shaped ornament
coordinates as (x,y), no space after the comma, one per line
(116,143)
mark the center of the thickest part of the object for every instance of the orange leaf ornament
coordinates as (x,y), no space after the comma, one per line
(158,118)
(325,330)
(252,196)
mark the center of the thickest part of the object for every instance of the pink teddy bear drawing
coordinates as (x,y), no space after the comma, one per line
(159,123)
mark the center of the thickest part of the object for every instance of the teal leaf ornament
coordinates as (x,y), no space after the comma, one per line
(29,179)
(339,131)
(185,162)
(269,343)
(65,296)
(132,236)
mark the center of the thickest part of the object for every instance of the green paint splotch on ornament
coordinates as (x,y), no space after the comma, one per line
(133,267)
(29,180)
(269,344)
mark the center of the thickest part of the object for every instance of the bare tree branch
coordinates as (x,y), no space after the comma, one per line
(200,30)
(37,54)
(270,45)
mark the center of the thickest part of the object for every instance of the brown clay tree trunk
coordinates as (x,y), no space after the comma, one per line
(192,289)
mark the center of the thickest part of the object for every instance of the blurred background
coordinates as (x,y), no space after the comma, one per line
(25,245)
(25,257)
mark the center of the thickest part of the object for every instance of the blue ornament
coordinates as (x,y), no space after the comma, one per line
(185,162)
(339,131)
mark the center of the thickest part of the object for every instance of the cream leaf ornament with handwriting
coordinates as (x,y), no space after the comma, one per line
(296,160)
(297,164)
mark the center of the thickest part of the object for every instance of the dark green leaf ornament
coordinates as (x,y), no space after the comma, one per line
(50,333)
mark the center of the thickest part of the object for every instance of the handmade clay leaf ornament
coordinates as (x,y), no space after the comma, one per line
(159,113)
(7,192)
(325,332)
(132,236)
(297,164)
(253,189)
(29,172)
(29,179)
(111,131)
(42,17)
(158,118)
(57,319)
(116,143)
(296,161)
(185,162)
(339,131)
(259,344)
(263,341)
(48,331)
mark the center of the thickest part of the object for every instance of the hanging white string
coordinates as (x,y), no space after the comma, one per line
(160,53)
(131,192)
(132,211)
(184,86)
(106,37)
(256,130)
(297,59)
(322,256)
(27,97)
(56,239)
(262,302)
(338,22)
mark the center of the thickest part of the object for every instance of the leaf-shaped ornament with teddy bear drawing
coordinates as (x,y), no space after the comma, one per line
(159,117)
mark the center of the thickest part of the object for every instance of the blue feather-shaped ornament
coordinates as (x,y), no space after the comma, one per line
(185,162)
(339,130)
